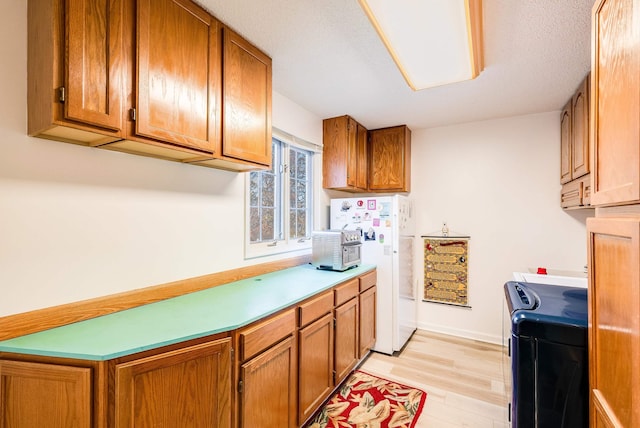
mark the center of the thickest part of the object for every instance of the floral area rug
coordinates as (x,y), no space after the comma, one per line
(367,401)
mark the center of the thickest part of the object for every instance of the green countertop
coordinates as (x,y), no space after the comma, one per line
(214,310)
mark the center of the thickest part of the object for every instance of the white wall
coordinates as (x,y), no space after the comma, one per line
(497,181)
(78,222)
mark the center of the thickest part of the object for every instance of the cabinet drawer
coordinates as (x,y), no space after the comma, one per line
(586,190)
(571,194)
(263,335)
(346,291)
(367,281)
(314,309)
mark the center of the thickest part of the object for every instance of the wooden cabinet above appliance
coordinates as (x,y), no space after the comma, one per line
(147,78)
(390,159)
(344,158)
(357,160)
(575,149)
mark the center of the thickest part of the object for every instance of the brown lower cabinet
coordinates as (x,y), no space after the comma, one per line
(367,313)
(285,367)
(329,328)
(614,324)
(268,385)
(61,393)
(184,387)
(267,376)
(347,351)
(316,365)
(315,353)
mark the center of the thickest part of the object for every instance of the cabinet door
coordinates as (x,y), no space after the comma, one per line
(390,159)
(565,144)
(345,153)
(347,351)
(268,388)
(615,103)
(315,344)
(186,387)
(614,324)
(247,101)
(178,74)
(44,395)
(580,131)
(361,157)
(338,140)
(93,80)
(367,320)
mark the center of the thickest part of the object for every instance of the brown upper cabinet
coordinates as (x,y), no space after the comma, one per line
(615,104)
(75,60)
(176,79)
(344,158)
(575,148)
(390,159)
(246,102)
(580,131)
(574,135)
(357,160)
(147,78)
(565,144)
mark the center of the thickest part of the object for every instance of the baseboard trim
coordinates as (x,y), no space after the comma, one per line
(467,334)
(43,319)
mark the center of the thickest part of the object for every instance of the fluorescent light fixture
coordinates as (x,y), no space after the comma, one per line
(433,42)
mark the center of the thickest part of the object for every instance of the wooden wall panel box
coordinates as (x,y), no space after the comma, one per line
(95,69)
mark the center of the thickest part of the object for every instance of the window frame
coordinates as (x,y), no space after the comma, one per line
(286,244)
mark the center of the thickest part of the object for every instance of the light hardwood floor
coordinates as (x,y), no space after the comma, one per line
(467,382)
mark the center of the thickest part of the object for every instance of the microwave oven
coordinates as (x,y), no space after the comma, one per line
(336,249)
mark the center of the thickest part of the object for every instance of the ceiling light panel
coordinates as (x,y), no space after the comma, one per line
(433,42)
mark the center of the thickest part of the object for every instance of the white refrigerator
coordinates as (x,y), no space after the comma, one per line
(387,226)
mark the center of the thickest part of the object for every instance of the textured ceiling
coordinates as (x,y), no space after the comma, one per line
(328,58)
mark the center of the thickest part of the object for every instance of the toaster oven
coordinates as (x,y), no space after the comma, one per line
(336,249)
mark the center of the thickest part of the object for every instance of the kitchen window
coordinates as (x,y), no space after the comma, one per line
(280,200)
